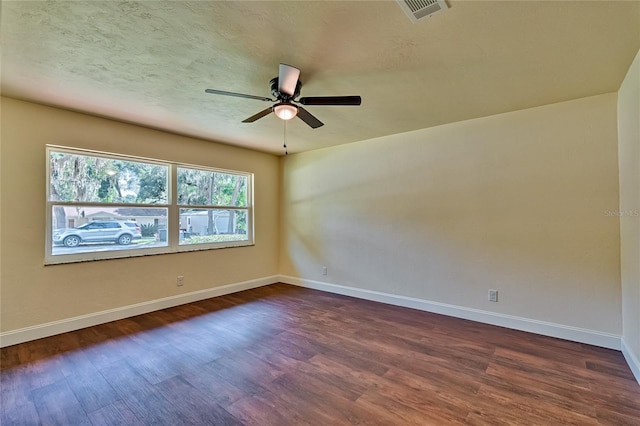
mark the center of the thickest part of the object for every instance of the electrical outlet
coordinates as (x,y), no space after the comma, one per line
(493,295)
(180,280)
(324,270)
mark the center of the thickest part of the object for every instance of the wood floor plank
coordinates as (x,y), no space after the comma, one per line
(359,380)
(572,375)
(556,393)
(395,411)
(611,369)
(92,391)
(57,405)
(158,364)
(280,355)
(16,403)
(419,392)
(254,410)
(116,414)
(530,408)
(616,398)
(316,395)
(205,379)
(41,373)
(196,407)
(146,403)
(200,350)
(615,417)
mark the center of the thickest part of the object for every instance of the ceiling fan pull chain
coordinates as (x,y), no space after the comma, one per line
(286,152)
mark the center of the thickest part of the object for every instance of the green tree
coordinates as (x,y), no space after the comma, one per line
(83,178)
(207,188)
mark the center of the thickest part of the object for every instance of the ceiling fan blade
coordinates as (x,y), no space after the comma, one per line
(331,100)
(288,79)
(308,118)
(258,115)
(238,95)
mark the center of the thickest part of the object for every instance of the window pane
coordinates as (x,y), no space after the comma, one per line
(82,178)
(84,229)
(201,226)
(207,188)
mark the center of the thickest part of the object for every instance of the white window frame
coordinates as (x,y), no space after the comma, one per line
(248,209)
(172,207)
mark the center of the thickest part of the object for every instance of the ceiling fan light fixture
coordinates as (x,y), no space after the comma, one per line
(285,111)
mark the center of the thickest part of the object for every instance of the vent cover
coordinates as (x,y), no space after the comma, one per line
(420,9)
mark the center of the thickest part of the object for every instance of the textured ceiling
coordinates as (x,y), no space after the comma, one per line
(148,62)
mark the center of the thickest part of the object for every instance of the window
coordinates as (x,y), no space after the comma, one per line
(102,206)
(213,206)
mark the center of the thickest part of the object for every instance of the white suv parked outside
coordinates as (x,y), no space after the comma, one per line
(117,231)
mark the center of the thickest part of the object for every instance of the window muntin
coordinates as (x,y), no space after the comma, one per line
(92,193)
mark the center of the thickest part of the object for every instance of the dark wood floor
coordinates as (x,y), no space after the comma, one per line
(282,355)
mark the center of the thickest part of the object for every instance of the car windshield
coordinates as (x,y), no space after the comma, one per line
(83,226)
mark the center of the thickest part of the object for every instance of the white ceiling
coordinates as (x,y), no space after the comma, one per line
(148,62)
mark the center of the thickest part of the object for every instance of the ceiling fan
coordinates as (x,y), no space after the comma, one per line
(286,88)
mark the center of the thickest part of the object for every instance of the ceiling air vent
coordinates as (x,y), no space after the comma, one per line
(419,9)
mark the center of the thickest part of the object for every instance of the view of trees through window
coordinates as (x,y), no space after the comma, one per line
(198,191)
(101,203)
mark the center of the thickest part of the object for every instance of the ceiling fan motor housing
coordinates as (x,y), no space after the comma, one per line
(283,96)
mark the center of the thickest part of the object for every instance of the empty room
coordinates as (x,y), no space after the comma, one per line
(411,212)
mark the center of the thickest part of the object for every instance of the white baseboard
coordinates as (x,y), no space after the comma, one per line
(70,324)
(544,328)
(632,360)
(581,335)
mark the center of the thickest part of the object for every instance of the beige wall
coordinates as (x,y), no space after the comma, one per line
(514,202)
(629,161)
(34,294)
